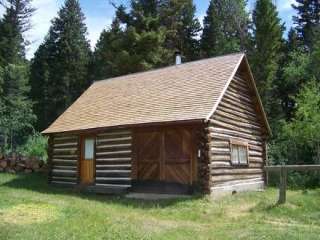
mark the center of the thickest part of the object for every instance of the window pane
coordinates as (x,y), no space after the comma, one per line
(89,149)
(234,154)
(243,158)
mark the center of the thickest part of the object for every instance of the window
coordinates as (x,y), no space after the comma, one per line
(89,149)
(239,153)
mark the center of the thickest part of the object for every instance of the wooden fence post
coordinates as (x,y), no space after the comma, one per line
(282,185)
(283,171)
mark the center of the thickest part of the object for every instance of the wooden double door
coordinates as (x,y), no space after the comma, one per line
(165,155)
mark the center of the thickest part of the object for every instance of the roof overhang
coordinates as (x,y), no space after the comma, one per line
(150,124)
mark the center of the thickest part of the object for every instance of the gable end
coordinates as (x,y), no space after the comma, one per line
(242,75)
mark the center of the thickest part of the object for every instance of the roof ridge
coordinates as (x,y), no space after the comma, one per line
(166,67)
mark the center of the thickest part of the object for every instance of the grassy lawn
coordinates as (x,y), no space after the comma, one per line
(30,209)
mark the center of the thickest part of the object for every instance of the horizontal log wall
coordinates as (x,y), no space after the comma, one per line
(64,155)
(237,117)
(113,158)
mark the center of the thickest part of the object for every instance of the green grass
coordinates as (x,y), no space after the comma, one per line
(30,209)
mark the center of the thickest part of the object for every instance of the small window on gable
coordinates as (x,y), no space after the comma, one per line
(239,153)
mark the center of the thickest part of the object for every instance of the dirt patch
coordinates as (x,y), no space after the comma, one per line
(291,206)
(23,214)
(239,210)
(153,225)
(156,226)
(285,224)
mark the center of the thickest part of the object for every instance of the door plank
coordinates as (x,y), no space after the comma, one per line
(149,155)
(178,151)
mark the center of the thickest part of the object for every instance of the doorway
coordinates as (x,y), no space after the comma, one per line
(165,159)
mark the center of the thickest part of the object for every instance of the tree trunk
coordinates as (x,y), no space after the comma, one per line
(11,141)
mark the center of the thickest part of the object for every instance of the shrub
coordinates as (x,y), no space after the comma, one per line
(36,146)
(298,141)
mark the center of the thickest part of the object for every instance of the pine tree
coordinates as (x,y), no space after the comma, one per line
(298,68)
(307,20)
(137,46)
(15,22)
(151,33)
(144,14)
(40,87)
(1,98)
(106,52)
(315,57)
(17,112)
(183,28)
(225,28)
(22,11)
(1,82)
(212,31)
(73,50)
(2,111)
(64,61)
(293,42)
(16,116)
(11,41)
(291,72)
(294,74)
(265,55)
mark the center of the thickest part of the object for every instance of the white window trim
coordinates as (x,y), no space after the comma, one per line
(91,144)
(239,144)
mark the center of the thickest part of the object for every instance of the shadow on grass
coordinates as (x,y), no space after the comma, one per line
(37,182)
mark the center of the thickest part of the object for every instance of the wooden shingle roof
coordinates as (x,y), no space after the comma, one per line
(189,91)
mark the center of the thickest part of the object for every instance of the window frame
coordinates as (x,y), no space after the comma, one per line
(237,143)
(82,138)
(93,148)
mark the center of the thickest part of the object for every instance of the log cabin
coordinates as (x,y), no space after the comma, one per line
(197,126)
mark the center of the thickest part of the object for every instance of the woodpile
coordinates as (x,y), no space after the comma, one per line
(16,164)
